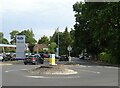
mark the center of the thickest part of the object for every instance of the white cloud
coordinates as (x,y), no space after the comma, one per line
(44,14)
(28,5)
(40,32)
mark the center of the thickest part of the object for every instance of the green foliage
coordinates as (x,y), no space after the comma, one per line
(5,41)
(52,47)
(2,39)
(107,57)
(64,40)
(31,46)
(29,36)
(8,51)
(43,40)
(96,28)
(54,37)
(13,36)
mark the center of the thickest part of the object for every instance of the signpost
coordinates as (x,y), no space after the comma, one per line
(20,47)
(69,48)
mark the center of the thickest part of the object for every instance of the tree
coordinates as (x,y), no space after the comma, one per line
(54,37)
(2,39)
(96,28)
(43,40)
(5,41)
(13,36)
(29,36)
(52,47)
(64,40)
(31,47)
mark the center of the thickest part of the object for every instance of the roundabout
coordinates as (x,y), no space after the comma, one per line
(52,70)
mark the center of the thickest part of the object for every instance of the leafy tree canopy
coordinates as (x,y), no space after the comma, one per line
(43,40)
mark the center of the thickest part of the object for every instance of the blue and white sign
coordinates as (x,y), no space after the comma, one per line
(20,38)
(20,47)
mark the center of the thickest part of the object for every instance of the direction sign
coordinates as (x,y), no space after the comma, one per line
(69,48)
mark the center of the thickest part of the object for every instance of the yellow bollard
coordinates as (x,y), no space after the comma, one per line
(52,59)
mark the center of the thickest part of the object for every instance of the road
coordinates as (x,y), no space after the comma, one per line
(88,75)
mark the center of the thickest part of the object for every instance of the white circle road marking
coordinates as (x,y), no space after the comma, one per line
(83,66)
(89,66)
(15,70)
(4,64)
(52,77)
(111,67)
(90,71)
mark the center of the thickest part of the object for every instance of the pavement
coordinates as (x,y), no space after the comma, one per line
(88,75)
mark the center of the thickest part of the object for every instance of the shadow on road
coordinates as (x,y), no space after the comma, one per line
(77,61)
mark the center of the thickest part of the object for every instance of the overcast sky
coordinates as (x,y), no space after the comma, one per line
(43,16)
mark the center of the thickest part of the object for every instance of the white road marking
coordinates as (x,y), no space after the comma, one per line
(83,66)
(89,66)
(90,71)
(52,77)
(99,66)
(5,64)
(15,70)
(111,67)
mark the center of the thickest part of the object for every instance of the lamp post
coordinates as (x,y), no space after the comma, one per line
(58,41)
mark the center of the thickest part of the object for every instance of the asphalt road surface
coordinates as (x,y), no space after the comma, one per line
(88,75)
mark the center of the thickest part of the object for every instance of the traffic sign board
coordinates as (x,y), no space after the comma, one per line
(69,48)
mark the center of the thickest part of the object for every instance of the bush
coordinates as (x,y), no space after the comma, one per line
(107,57)
(8,51)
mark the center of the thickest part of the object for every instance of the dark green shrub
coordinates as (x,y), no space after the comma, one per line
(107,57)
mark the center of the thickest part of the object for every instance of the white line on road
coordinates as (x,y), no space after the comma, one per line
(111,67)
(89,66)
(83,66)
(52,77)
(15,70)
(90,71)
(4,64)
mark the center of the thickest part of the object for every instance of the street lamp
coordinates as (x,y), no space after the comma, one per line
(58,41)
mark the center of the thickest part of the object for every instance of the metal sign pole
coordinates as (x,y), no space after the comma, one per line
(69,49)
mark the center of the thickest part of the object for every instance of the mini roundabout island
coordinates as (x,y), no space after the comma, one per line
(52,70)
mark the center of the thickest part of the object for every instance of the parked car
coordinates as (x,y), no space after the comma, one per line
(81,56)
(10,56)
(33,59)
(84,56)
(57,57)
(1,57)
(63,58)
(44,55)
